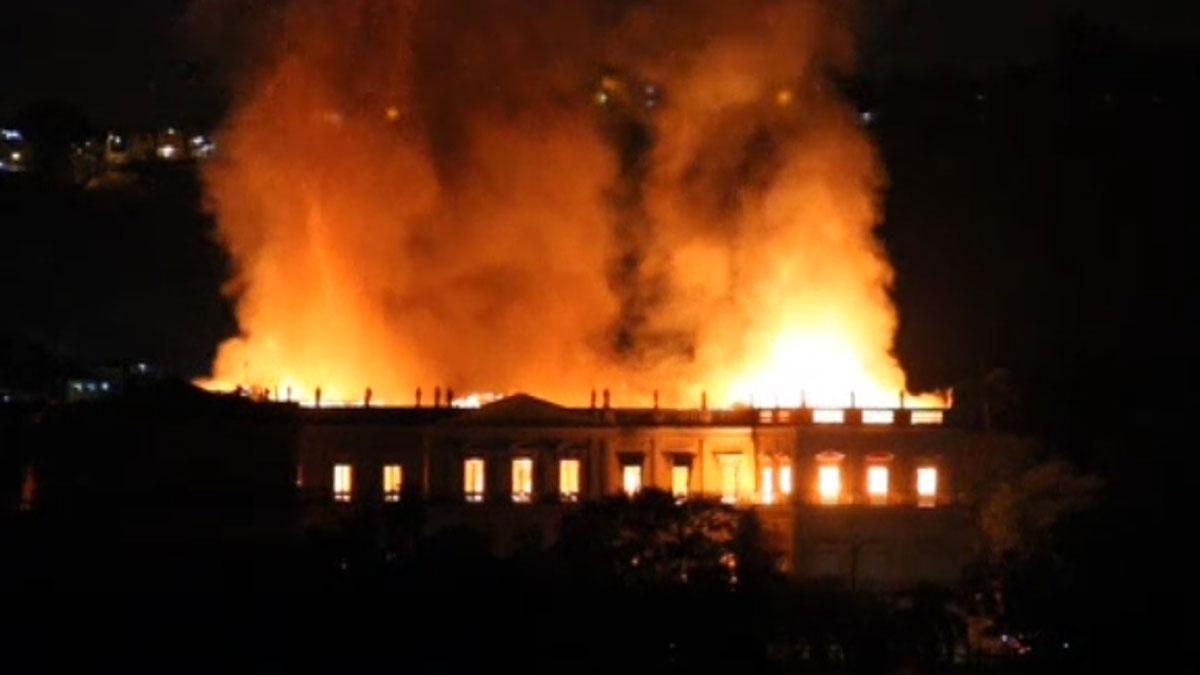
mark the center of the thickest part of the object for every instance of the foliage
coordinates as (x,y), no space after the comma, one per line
(1017,492)
(1018,516)
(652,540)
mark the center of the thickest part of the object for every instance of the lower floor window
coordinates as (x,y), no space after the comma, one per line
(680,477)
(768,485)
(631,479)
(729,479)
(473,479)
(522,480)
(568,479)
(927,486)
(343,482)
(393,482)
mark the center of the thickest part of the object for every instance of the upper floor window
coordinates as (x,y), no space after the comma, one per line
(522,480)
(343,482)
(877,484)
(927,486)
(473,479)
(829,477)
(829,483)
(393,482)
(568,479)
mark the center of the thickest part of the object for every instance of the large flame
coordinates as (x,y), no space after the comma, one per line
(555,197)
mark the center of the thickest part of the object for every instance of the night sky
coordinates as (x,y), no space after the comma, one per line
(136,62)
(1035,210)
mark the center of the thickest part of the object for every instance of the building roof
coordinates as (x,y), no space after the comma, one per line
(524,409)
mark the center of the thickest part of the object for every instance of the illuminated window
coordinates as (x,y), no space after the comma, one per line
(829,483)
(785,481)
(631,479)
(877,484)
(878,416)
(522,480)
(393,481)
(680,473)
(729,480)
(343,482)
(568,479)
(767,489)
(927,416)
(927,480)
(829,416)
(473,479)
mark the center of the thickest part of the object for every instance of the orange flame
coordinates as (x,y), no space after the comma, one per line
(432,194)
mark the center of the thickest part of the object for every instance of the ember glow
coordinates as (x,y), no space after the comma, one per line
(660,196)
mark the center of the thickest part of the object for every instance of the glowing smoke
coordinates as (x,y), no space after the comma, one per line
(554,196)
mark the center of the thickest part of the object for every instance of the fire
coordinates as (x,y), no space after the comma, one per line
(421,194)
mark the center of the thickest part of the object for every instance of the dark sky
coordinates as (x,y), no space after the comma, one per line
(134,62)
(123,62)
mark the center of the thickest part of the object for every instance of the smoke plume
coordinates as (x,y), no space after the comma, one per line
(553,197)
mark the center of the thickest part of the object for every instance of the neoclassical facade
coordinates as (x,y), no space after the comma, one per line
(868,496)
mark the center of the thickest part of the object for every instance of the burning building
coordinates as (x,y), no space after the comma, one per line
(867,496)
(666,197)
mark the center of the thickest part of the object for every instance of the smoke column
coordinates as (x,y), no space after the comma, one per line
(550,197)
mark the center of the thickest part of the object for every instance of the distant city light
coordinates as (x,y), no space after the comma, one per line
(11,135)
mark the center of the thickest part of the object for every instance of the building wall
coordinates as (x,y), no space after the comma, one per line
(864,544)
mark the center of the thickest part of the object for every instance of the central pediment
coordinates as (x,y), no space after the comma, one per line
(524,409)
